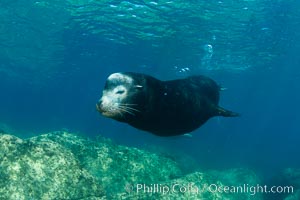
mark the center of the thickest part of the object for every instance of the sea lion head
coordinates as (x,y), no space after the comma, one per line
(121,96)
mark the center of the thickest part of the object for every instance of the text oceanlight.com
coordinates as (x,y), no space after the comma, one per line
(212,188)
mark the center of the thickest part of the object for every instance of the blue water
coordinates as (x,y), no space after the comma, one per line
(55,58)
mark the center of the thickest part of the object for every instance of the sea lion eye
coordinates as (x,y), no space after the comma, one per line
(138,86)
(120,91)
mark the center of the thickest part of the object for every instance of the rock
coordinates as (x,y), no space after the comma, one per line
(287,182)
(198,185)
(292,178)
(294,196)
(115,165)
(43,170)
(60,165)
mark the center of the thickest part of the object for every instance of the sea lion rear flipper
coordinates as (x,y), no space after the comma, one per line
(226,113)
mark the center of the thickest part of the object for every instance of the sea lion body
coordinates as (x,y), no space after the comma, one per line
(164,108)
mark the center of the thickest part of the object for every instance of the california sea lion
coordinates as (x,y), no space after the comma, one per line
(164,108)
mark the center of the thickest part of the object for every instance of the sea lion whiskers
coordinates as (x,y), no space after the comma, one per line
(124,109)
(120,112)
(126,106)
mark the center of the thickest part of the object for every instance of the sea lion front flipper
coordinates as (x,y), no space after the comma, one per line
(187,135)
(226,113)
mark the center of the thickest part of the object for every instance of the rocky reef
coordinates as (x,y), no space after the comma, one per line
(61,165)
(32,169)
(289,178)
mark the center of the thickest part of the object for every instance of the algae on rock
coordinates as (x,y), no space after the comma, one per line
(43,170)
(60,165)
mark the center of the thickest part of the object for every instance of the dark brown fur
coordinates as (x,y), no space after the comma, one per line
(169,108)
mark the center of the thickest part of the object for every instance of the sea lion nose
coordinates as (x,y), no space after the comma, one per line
(98,105)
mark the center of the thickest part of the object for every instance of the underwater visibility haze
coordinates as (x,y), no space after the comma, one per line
(55,57)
